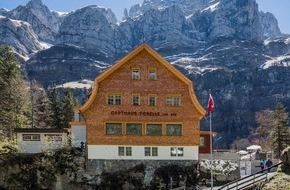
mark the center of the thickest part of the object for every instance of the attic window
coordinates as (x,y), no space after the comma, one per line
(135,73)
(152,74)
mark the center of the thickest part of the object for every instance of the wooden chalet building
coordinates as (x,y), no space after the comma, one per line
(142,108)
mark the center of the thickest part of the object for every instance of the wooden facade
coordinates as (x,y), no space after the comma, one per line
(142,101)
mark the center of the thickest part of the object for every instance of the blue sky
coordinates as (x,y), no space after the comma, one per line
(280,8)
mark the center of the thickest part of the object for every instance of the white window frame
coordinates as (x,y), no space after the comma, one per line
(136,73)
(173,100)
(151,151)
(149,99)
(114,99)
(202,141)
(136,97)
(125,151)
(152,74)
(176,151)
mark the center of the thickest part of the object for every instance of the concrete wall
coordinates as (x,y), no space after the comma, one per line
(36,146)
(78,135)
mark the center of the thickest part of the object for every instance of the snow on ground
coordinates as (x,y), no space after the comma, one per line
(45,45)
(277,61)
(77,84)
(212,7)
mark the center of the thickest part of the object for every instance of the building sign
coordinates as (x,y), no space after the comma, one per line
(142,113)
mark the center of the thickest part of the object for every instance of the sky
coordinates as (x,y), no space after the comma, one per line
(280,8)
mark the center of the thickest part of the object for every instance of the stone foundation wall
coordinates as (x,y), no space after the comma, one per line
(111,166)
(149,173)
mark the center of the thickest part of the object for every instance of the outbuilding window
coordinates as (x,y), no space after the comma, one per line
(31,137)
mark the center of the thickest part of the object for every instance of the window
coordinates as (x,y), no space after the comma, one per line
(136,99)
(154,151)
(147,151)
(202,141)
(152,74)
(152,100)
(31,137)
(173,101)
(121,151)
(114,99)
(151,151)
(176,151)
(153,129)
(136,74)
(173,129)
(124,151)
(113,128)
(133,129)
(52,137)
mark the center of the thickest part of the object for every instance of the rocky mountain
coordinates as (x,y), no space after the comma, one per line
(269,25)
(44,22)
(20,35)
(228,46)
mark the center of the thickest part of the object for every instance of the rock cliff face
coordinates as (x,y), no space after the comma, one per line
(90,27)
(19,35)
(44,22)
(269,25)
(187,6)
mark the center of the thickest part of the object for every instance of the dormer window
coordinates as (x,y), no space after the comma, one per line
(135,73)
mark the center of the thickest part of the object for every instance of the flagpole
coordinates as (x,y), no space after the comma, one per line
(211,164)
(210,107)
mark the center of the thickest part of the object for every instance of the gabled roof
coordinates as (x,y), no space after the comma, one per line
(160,59)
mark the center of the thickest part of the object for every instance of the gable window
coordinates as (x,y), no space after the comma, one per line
(114,99)
(153,129)
(113,128)
(176,151)
(136,74)
(152,74)
(173,101)
(173,129)
(202,142)
(152,100)
(31,137)
(124,151)
(151,151)
(136,99)
(134,129)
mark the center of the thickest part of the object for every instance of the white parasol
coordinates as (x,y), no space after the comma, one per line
(254,147)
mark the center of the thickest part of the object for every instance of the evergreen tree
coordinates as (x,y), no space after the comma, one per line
(280,131)
(41,112)
(56,107)
(14,96)
(68,102)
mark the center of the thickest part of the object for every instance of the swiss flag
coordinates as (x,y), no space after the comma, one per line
(210,104)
